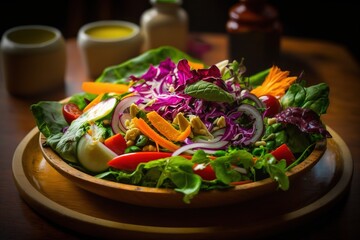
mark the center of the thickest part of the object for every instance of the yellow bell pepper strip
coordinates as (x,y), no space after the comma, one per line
(104,87)
(150,133)
(163,126)
(196,65)
(184,134)
(166,128)
(94,102)
(275,83)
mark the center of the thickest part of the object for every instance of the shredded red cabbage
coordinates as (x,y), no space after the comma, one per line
(165,84)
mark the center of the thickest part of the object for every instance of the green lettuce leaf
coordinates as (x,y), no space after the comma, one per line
(223,166)
(48,117)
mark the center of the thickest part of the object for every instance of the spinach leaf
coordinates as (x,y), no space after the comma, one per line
(140,64)
(209,92)
(315,97)
(48,117)
(294,96)
(50,121)
(297,141)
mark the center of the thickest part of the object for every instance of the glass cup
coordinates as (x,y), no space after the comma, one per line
(107,43)
(33,59)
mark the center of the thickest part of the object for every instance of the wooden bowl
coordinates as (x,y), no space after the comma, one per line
(168,198)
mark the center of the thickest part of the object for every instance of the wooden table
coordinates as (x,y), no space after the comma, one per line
(321,61)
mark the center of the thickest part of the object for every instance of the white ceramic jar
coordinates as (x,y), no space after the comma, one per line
(166,23)
(33,59)
(106,43)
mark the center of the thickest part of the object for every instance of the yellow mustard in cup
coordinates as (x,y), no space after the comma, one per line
(109,32)
(107,43)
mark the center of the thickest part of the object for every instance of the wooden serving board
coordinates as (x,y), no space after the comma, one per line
(62,202)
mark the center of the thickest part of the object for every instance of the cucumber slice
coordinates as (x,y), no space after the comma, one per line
(100,110)
(93,155)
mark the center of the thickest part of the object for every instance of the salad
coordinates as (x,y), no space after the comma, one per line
(166,120)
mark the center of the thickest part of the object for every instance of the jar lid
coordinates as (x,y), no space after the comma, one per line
(166,1)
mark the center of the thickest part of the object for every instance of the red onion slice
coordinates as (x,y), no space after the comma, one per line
(210,146)
(259,123)
(119,117)
(245,94)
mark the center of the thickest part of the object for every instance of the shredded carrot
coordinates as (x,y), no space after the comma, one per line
(150,133)
(104,87)
(196,65)
(94,102)
(275,83)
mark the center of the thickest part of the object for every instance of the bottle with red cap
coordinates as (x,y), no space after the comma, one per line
(254,34)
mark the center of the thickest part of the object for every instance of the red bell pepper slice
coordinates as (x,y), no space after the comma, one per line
(284,152)
(130,161)
(116,143)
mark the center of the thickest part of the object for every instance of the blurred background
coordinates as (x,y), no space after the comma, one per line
(334,21)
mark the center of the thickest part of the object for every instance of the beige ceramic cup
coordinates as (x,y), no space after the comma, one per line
(33,59)
(107,43)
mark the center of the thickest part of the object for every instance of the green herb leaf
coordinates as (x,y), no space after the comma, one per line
(222,165)
(209,92)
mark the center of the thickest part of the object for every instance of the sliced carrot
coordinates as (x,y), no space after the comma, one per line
(276,83)
(94,102)
(104,87)
(150,133)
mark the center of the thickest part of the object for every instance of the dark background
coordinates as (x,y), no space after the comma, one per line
(335,21)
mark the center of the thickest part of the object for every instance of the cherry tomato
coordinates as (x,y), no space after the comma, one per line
(272,105)
(71,112)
